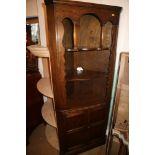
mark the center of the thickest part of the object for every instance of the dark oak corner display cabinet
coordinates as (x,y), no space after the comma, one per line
(82,41)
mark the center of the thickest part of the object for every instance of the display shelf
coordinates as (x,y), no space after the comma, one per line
(84,75)
(85,49)
(84,100)
(48,113)
(39,51)
(52,137)
(44,86)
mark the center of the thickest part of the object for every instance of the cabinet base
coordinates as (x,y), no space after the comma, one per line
(82,148)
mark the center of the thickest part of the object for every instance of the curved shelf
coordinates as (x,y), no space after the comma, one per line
(48,113)
(44,86)
(39,51)
(52,137)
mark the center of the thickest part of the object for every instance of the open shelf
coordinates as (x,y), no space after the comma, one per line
(44,86)
(85,49)
(85,100)
(48,113)
(85,75)
(39,51)
(86,88)
(52,137)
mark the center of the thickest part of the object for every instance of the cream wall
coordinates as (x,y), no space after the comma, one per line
(31,8)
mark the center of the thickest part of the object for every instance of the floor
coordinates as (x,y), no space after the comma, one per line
(38,145)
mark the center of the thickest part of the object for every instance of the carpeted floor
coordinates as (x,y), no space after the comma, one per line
(38,145)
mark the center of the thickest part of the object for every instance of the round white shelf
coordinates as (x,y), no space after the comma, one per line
(48,113)
(44,86)
(52,137)
(39,51)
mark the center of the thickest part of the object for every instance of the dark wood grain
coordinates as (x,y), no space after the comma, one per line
(82,35)
(68,33)
(107,37)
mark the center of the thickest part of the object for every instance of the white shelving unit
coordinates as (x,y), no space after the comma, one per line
(44,86)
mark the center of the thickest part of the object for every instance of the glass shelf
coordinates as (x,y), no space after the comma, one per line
(84,75)
(48,113)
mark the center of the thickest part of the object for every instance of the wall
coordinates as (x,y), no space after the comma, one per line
(123,32)
(31,8)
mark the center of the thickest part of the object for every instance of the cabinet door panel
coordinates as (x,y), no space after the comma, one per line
(97,114)
(75,119)
(97,131)
(77,138)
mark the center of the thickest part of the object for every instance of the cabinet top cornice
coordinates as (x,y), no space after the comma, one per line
(82,4)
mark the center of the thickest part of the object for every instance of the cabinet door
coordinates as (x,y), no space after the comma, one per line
(75,124)
(77,137)
(97,122)
(97,131)
(74,119)
(97,113)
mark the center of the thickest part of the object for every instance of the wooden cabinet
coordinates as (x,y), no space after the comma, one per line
(82,126)
(34,100)
(82,48)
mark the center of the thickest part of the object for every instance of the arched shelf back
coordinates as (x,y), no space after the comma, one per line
(94,15)
(107,35)
(68,41)
(89,31)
